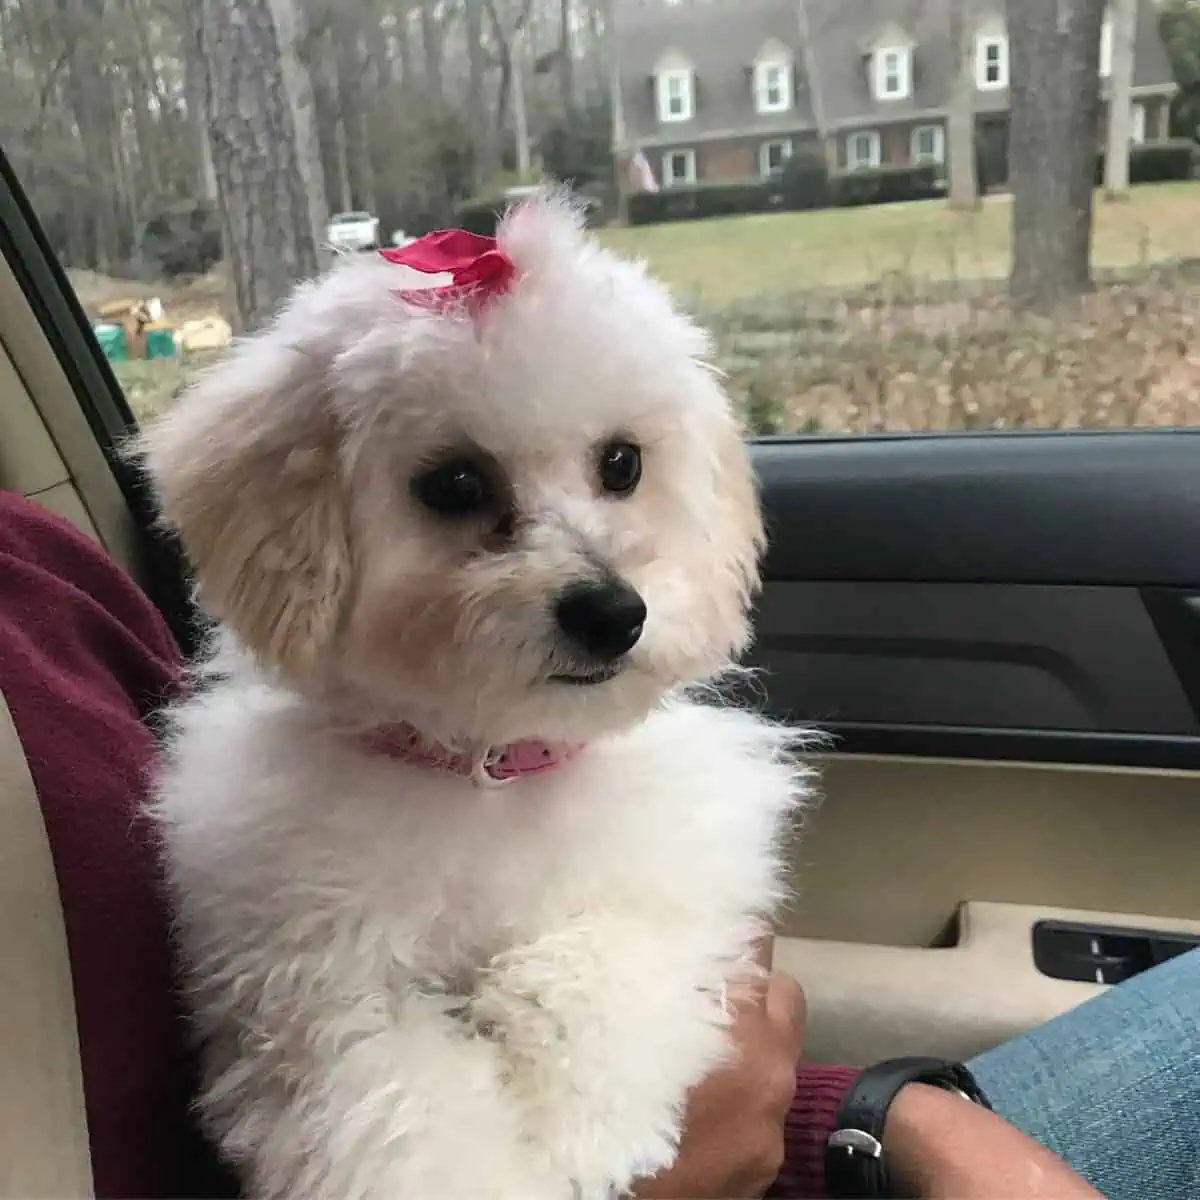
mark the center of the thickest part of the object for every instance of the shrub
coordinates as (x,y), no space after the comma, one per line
(700,200)
(1157,162)
(805,181)
(886,185)
(481,214)
(180,237)
(949,356)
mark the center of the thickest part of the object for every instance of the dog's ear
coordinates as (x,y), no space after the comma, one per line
(246,467)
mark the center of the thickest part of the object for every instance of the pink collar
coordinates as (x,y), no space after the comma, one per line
(493,767)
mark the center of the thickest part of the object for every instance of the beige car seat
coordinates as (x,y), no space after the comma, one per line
(44,1151)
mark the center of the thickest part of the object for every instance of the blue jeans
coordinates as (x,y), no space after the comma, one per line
(1114,1086)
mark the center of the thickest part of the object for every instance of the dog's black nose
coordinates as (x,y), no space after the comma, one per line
(603,619)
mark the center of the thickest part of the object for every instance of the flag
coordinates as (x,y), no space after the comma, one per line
(642,174)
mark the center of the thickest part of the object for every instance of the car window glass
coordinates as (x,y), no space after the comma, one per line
(902,217)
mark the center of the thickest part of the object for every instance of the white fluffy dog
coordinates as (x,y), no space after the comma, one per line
(461,873)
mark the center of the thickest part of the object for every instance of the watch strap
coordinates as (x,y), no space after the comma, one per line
(855,1164)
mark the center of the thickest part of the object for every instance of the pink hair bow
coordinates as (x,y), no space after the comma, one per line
(480,270)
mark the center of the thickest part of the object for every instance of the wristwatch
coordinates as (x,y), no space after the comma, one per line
(855,1163)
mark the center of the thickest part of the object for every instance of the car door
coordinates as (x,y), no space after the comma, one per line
(997,631)
(1001,634)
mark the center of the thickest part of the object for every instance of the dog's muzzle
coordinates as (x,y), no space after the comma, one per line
(601,620)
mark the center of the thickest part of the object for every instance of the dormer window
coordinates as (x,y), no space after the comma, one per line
(773,86)
(893,73)
(676,94)
(991,62)
(772,78)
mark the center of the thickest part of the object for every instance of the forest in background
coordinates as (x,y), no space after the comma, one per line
(156,136)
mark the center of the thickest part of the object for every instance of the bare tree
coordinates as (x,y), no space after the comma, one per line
(292,33)
(196,100)
(266,219)
(509,23)
(566,63)
(91,107)
(352,106)
(485,144)
(398,106)
(1120,99)
(964,184)
(1055,49)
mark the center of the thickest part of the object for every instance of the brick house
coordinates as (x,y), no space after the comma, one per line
(727,90)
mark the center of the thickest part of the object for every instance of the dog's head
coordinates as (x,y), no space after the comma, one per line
(530,519)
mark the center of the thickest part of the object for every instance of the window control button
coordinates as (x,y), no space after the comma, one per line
(1091,955)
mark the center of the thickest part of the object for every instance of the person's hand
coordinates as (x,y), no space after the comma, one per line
(942,1147)
(733,1144)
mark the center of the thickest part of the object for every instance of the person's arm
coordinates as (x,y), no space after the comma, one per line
(761,1125)
(941,1147)
(938,1146)
(85,660)
(820,1091)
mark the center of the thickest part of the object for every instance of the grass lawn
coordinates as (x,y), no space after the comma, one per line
(713,262)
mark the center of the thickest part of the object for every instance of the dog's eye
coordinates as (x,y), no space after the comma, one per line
(620,467)
(455,488)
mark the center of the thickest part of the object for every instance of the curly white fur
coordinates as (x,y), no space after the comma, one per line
(410,988)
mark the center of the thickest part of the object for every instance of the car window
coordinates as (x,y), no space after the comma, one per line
(911,215)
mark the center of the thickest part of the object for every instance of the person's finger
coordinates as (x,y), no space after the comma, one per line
(764,952)
(748,985)
(787,1010)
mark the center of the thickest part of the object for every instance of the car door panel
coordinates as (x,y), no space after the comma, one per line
(1000,635)
(868,1002)
(1105,508)
(897,844)
(994,656)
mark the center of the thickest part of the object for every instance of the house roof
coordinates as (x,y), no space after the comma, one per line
(846,30)
(722,38)
(1151,64)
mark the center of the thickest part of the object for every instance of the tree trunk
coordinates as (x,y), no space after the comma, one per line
(292,37)
(433,45)
(964,184)
(265,213)
(485,144)
(128,194)
(141,91)
(92,108)
(404,47)
(149,174)
(1055,50)
(520,78)
(195,73)
(352,110)
(1120,100)
(566,65)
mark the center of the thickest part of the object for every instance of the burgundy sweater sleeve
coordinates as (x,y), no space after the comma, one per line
(85,660)
(820,1091)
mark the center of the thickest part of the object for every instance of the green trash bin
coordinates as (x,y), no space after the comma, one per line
(160,343)
(113,341)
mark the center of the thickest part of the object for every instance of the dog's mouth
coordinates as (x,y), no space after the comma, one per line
(589,678)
